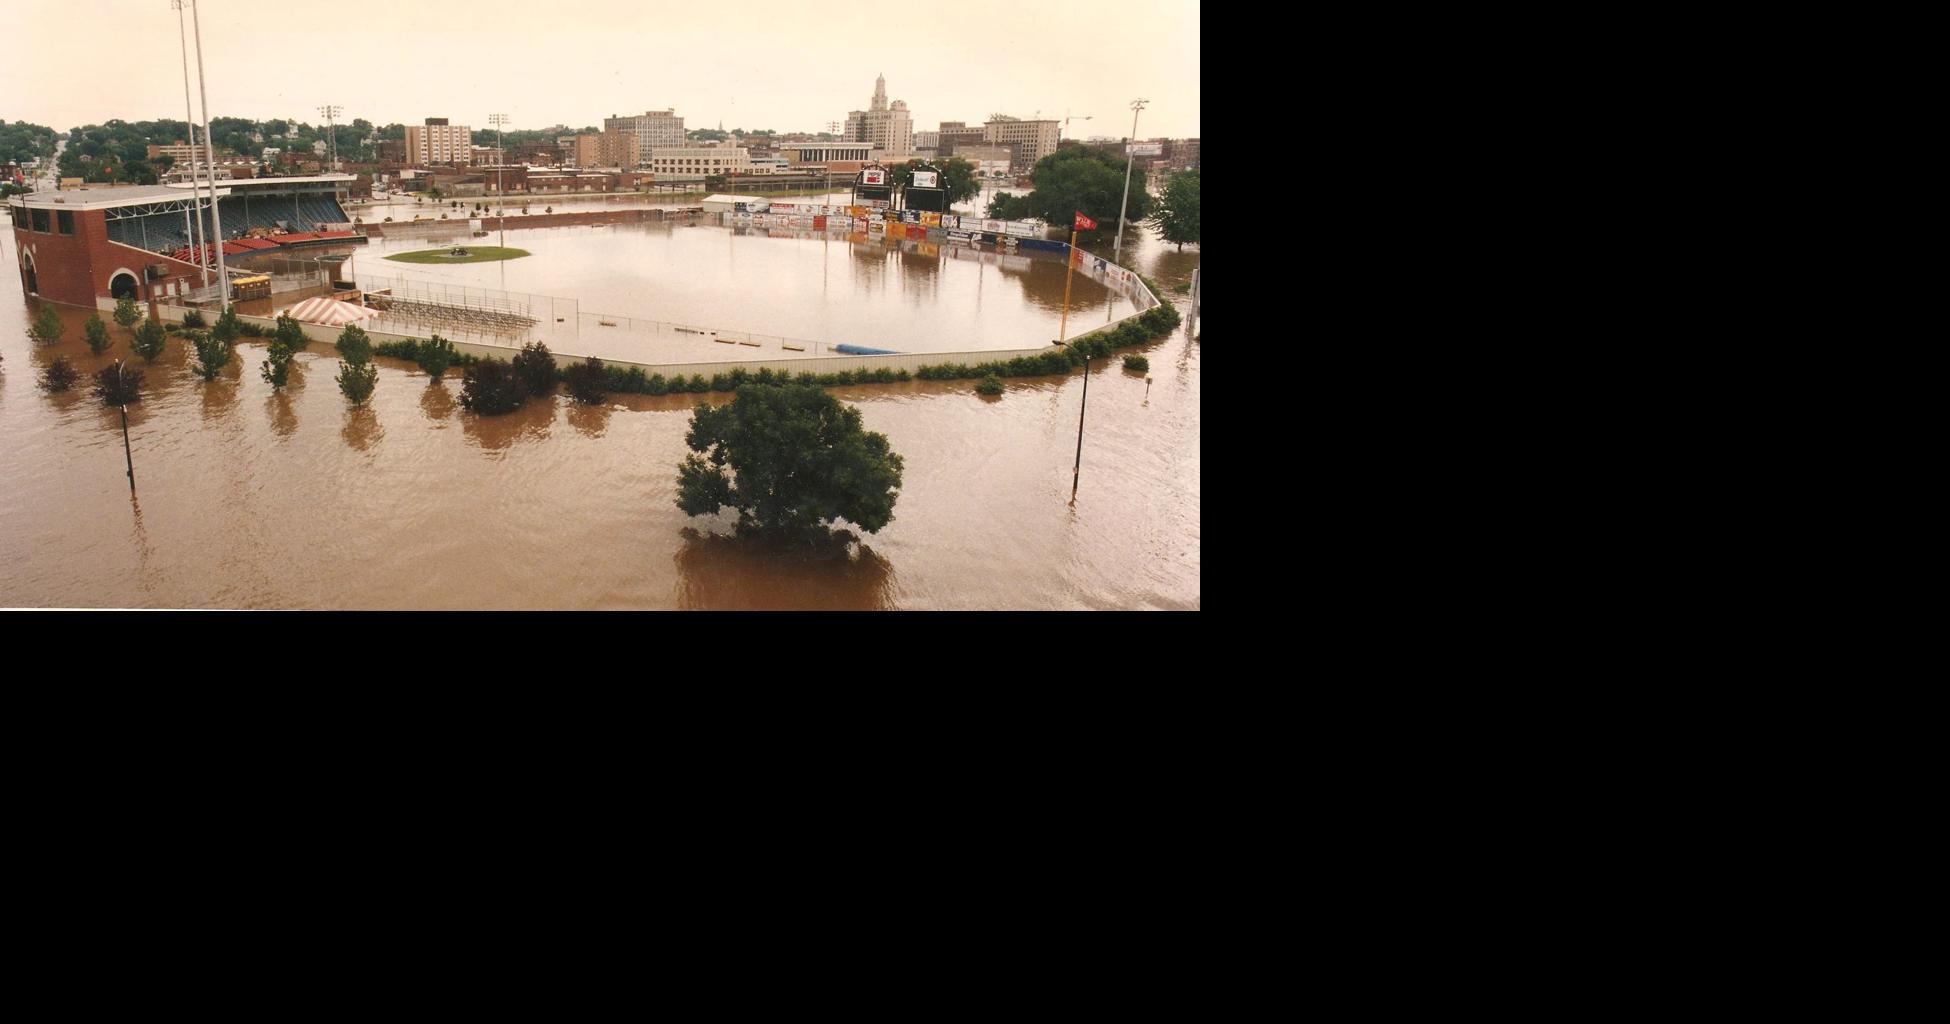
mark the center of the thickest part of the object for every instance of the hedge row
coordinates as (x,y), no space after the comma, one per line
(634,381)
(409,350)
(1154,322)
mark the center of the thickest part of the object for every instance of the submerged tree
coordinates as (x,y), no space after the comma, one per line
(290,334)
(357,381)
(212,355)
(60,375)
(585,380)
(791,460)
(118,385)
(491,388)
(48,327)
(536,368)
(149,339)
(97,332)
(434,356)
(1177,216)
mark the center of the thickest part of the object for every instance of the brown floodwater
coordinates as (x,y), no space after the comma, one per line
(248,498)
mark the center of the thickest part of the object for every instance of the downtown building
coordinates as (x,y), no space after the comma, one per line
(887,128)
(627,141)
(437,143)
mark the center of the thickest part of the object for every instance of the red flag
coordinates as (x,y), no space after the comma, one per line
(1084,223)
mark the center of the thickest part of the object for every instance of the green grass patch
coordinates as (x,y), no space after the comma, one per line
(475,254)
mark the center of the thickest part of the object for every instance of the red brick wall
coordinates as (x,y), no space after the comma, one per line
(75,269)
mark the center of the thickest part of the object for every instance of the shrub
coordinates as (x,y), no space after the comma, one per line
(989,385)
(357,381)
(434,356)
(250,330)
(1138,363)
(721,382)
(586,381)
(148,342)
(698,384)
(276,369)
(212,355)
(289,334)
(657,385)
(227,327)
(118,385)
(48,327)
(354,345)
(491,388)
(60,375)
(192,318)
(127,314)
(536,368)
(97,332)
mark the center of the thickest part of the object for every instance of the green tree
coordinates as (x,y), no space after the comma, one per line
(126,312)
(791,460)
(60,375)
(290,334)
(212,355)
(536,368)
(491,388)
(118,385)
(357,380)
(354,345)
(148,341)
(1177,214)
(227,327)
(586,380)
(276,370)
(97,332)
(48,327)
(434,356)
(1078,178)
(958,176)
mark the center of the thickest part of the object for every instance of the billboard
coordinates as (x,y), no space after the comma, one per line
(873,176)
(926,179)
(1147,149)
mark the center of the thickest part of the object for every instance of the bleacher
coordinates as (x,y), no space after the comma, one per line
(165,232)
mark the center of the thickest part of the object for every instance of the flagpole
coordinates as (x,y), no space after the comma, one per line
(1069,272)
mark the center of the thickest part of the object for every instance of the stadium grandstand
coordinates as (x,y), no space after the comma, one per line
(274,210)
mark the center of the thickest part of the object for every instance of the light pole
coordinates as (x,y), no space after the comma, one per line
(196,236)
(1117,250)
(330,112)
(500,164)
(210,149)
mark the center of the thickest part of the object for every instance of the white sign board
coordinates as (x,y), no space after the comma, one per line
(925,179)
(873,176)
(1147,149)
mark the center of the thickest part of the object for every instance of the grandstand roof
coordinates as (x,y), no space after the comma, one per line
(104,197)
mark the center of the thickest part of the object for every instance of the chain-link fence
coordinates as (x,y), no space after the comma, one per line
(487,315)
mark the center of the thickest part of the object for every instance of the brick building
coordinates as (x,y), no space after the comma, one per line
(65,252)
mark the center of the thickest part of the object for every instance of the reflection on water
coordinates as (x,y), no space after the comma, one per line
(567,506)
(727,574)
(362,429)
(591,420)
(284,419)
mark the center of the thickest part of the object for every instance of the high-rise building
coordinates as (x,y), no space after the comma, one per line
(954,134)
(637,135)
(886,127)
(438,142)
(1030,141)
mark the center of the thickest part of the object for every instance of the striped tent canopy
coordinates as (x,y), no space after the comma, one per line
(329,312)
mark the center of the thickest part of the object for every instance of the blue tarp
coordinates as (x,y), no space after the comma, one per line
(858,350)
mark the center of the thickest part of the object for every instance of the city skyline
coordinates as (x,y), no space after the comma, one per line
(793,71)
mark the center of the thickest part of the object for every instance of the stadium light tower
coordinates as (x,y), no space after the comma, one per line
(500,191)
(330,113)
(210,148)
(194,234)
(1117,251)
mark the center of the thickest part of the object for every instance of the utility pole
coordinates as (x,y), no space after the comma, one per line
(500,183)
(330,112)
(194,233)
(126,453)
(210,148)
(1130,157)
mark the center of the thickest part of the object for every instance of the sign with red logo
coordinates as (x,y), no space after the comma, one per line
(1084,223)
(873,176)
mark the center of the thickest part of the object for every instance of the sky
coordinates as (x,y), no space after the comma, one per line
(750,65)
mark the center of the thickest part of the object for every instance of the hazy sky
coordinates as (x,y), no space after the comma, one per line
(751,65)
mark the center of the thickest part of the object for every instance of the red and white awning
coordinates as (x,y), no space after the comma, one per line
(329,312)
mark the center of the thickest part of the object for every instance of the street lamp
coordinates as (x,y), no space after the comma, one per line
(1117,250)
(500,164)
